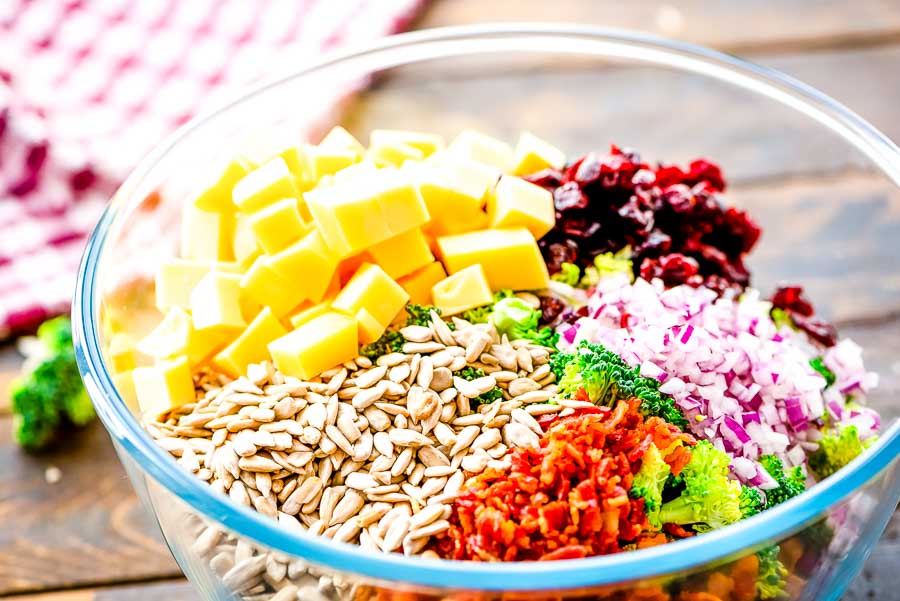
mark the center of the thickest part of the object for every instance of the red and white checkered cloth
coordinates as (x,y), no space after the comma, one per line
(87,87)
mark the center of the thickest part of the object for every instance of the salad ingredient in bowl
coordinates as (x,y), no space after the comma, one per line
(484,352)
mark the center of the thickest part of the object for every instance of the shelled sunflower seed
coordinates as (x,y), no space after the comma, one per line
(370,454)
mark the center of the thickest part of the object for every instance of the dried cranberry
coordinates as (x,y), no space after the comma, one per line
(557,253)
(548,178)
(818,329)
(551,308)
(569,196)
(673,269)
(703,171)
(790,298)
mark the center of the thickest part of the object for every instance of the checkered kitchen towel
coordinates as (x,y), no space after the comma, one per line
(87,87)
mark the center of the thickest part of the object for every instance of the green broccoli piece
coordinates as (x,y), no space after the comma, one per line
(605,379)
(790,482)
(607,264)
(649,483)
(470,373)
(389,342)
(569,274)
(751,501)
(770,579)
(49,394)
(519,320)
(837,449)
(818,364)
(420,315)
(710,499)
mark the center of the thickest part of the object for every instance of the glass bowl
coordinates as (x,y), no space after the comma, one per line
(821,181)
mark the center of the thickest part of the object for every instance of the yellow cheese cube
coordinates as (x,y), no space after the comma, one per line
(321,343)
(218,196)
(308,312)
(419,283)
(392,153)
(354,215)
(324,160)
(427,143)
(298,164)
(355,170)
(216,302)
(453,193)
(279,225)
(373,290)
(369,328)
(262,286)
(174,281)
(515,202)
(482,148)
(266,184)
(245,246)
(175,336)
(340,138)
(308,265)
(403,254)
(124,383)
(533,154)
(251,346)
(121,353)
(164,386)
(510,257)
(206,235)
(464,290)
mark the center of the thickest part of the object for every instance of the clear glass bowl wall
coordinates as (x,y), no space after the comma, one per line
(821,182)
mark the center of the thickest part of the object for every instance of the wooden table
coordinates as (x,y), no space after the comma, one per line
(86,537)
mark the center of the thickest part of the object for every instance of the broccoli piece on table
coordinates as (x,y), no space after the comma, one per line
(790,482)
(49,394)
(710,499)
(649,483)
(770,579)
(751,501)
(837,449)
(604,378)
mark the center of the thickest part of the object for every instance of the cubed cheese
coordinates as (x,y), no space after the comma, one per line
(393,153)
(533,154)
(251,346)
(246,248)
(374,290)
(320,344)
(309,311)
(510,257)
(340,138)
(464,290)
(121,352)
(350,266)
(324,160)
(279,225)
(216,302)
(298,164)
(176,336)
(262,286)
(175,279)
(453,192)
(482,148)
(369,328)
(427,143)
(217,197)
(124,383)
(164,386)
(355,170)
(358,213)
(515,202)
(403,254)
(206,235)
(266,184)
(419,283)
(308,264)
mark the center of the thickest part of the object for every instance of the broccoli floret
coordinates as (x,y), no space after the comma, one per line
(519,320)
(420,315)
(649,483)
(837,449)
(770,579)
(818,364)
(710,499)
(51,393)
(605,378)
(607,264)
(751,501)
(470,373)
(389,342)
(569,274)
(790,482)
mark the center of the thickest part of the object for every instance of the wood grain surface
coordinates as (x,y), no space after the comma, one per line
(88,532)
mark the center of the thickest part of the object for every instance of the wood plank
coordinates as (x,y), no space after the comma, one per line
(585,104)
(734,26)
(173,590)
(87,529)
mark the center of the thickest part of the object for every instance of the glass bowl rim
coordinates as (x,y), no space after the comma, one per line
(594,571)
